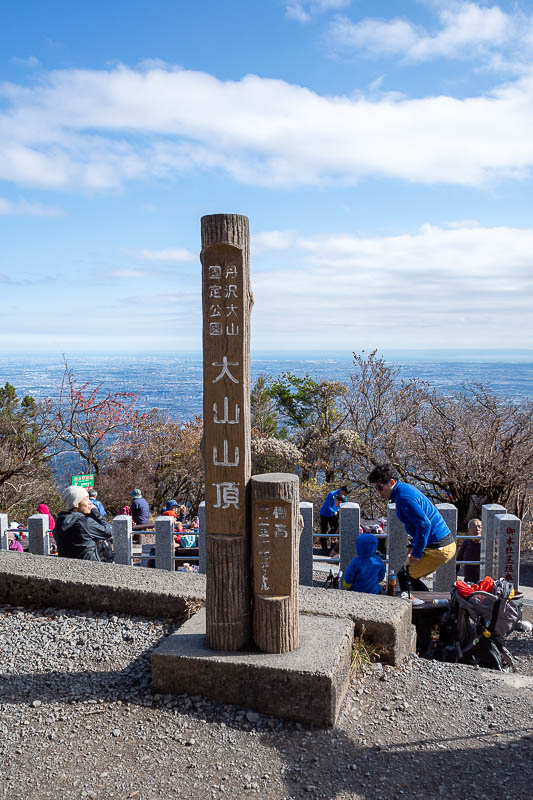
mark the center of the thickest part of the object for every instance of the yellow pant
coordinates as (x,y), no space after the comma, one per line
(431,560)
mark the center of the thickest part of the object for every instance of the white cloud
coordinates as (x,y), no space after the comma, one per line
(390,37)
(463,223)
(465,30)
(272,240)
(465,25)
(296,11)
(464,286)
(96,130)
(30,61)
(376,85)
(455,285)
(169,254)
(22,208)
(304,10)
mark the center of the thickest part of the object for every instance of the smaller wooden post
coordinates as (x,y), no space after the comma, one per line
(276,528)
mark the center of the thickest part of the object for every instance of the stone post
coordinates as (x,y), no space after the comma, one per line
(275,533)
(306,545)
(397,540)
(164,543)
(507,548)
(4,542)
(122,540)
(488,512)
(227,301)
(38,539)
(349,522)
(201,537)
(445,576)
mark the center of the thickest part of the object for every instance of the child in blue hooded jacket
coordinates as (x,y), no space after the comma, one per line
(366,570)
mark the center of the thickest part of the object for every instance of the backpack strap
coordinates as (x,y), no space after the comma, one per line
(494,616)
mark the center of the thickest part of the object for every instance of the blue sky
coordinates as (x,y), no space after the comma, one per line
(382,151)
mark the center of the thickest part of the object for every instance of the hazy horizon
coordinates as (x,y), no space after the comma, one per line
(440,354)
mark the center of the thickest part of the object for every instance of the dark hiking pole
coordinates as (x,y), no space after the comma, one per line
(408,581)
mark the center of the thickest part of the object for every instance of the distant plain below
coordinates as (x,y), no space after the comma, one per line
(173,383)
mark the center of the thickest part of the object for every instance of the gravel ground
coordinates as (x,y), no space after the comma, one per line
(78,720)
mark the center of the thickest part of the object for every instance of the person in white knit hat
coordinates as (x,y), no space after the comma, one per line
(80,526)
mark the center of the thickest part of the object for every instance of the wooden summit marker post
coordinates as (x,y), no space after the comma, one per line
(276,528)
(227,301)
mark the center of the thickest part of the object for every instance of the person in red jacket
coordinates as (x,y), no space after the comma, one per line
(43,509)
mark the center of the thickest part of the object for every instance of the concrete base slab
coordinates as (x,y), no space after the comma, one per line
(383,621)
(307,685)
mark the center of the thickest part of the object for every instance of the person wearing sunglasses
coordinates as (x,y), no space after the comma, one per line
(432,543)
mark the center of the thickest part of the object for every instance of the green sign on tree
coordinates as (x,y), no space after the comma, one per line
(83,480)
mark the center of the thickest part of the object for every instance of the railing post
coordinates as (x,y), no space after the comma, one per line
(397,540)
(38,539)
(488,512)
(507,548)
(122,539)
(445,576)
(164,543)
(306,545)
(201,537)
(4,542)
(349,523)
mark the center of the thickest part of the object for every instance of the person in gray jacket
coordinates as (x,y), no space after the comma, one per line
(80,526)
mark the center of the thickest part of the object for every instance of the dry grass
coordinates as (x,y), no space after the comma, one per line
(363,653)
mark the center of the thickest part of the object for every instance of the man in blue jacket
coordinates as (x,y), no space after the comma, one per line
(329,514)
(93,494)
(432,543)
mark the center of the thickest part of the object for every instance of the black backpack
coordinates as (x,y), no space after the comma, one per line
(333,579)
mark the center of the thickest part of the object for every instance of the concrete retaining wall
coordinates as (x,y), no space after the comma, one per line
(42,582)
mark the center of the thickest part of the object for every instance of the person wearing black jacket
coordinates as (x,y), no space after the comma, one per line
(80,527)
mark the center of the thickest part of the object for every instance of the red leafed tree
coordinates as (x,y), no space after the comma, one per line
(87,418)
